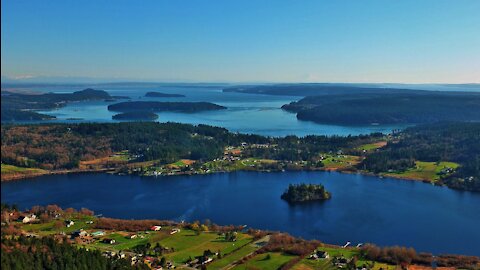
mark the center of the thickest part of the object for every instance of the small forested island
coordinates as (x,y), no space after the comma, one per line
(160,94)
(136,115)
(156,106)
(297,193)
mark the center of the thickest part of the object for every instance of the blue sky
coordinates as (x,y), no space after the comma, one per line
(416,41)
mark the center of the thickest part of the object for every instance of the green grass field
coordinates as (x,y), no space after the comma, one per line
(233,256)
(307,264)
(428,171)
(188,244)
(121,156)
(339,161)
(49,227)
(267,261)
(121,242)
(371,146)
(11,169)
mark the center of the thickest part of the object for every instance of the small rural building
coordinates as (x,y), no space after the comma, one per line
(108,241)
(98,233)
(319,254)
(79,233)
(156,228)
(174,231)
(69,223)
(28,218)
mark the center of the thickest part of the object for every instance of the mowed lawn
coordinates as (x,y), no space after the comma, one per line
(233,257)
(267,261)
(429,171)
(188,244)
(326,264)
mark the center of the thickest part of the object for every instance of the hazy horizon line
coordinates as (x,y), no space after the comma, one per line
(90,80)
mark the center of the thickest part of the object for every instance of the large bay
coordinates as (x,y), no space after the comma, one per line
(246,113)
(362,209)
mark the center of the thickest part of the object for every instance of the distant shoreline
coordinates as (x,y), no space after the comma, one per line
(16,177)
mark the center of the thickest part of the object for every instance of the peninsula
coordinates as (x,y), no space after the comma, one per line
(344,104)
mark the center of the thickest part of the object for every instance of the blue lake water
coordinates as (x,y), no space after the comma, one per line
(246,113)
(362,208)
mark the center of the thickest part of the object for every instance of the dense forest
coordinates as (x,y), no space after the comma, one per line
(61,146)
(47,253)
(344,104)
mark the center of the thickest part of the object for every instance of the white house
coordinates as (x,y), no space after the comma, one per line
(29,218)
(156,228)
(69,223)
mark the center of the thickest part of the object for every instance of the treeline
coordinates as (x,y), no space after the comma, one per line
(24,253)
(63,146)
(129,225)
(456,142)
(308,148)
(406,256)
(282,242)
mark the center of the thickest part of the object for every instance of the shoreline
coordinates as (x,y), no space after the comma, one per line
(17,177)
(167,223)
